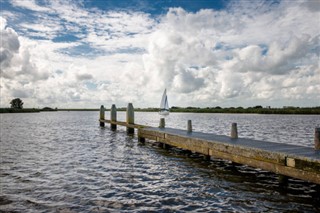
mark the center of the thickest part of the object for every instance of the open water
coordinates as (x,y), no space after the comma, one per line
(64,162)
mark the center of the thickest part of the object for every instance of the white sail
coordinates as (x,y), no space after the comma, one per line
(164,105)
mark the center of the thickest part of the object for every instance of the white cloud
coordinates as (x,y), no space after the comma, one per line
(29,4)
(250,53)
(83,77)
(3,23)
(244,48)
(9,46)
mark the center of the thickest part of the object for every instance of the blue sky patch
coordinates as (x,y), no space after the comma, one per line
(66,38)
(82,50)
(91,86)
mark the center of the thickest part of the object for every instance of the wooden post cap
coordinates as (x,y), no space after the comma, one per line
(102,115)
(130,118)
(162,123)
(130,114)
(189,126)
(113,113)
(234,131)
(113,116)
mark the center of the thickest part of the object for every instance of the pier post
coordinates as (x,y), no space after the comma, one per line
(234,131)
(130,118)
(162,123)
(102,115)
(189,126)
(165,146)
(283,181)
(142,140)
(317,138)
(206,157)
(316,194)
(113,116)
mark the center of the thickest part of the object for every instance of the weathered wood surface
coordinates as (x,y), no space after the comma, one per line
(122,123)
(130,118)
(290,160)
(113,116)
(285,159)
(102,112)
(317,138)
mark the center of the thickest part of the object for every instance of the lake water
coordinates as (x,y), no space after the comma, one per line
(64,162)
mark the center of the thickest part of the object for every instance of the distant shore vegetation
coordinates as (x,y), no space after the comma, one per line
(254,110)
(217,109)
(14,110)
(26,110)
(17,107)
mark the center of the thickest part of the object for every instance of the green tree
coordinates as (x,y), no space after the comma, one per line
(16,103)
(258,107)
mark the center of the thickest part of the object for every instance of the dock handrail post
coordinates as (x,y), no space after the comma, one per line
(189,126)
(130,118)
(317,138)
(162,123)
(234,131)
(102,115)
(113,116)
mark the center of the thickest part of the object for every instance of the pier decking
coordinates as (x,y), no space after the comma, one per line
(284,159)
(289,160)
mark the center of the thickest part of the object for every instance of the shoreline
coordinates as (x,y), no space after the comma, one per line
(231,110)
(27,110)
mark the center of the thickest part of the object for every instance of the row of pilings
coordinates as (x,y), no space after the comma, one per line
(130,120)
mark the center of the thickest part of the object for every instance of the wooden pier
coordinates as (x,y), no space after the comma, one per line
(283,159)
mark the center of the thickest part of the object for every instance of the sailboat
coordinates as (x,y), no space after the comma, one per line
(164,106)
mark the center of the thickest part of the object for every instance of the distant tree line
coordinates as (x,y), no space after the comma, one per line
(255,109)
(16,105)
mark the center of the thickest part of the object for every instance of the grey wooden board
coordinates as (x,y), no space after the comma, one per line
(295,151)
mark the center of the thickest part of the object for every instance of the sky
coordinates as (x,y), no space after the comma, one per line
(206,53)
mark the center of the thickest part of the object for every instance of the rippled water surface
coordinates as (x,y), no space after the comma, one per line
(64,162)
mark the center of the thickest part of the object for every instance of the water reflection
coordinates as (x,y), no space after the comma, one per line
(64,162)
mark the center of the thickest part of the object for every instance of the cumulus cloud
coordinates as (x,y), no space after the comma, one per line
(82,77)
(16,59)
(249,52)
(276,58)
(9,45)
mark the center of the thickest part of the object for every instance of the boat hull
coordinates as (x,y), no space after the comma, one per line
(164,112)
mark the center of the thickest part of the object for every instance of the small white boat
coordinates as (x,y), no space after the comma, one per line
(164,106)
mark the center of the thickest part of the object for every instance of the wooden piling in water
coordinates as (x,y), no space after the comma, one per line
(234,131)
(113,116)
(141,140)
(162,123)
(283,180)
(317,138)
(102,115)
(130,118)
(189,126)
(283,159)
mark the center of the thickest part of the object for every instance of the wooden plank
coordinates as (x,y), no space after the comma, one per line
(195,145)
(290,160)
(311,176)
(122,123)
(154,133)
